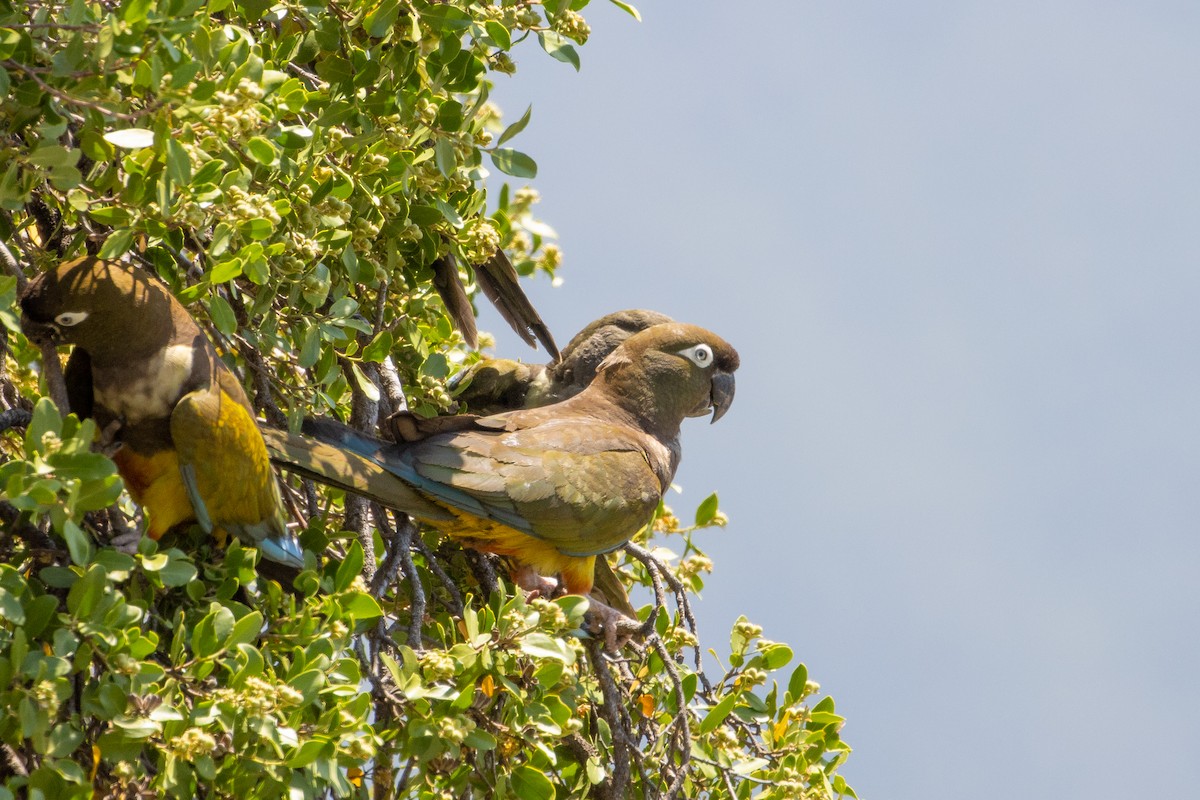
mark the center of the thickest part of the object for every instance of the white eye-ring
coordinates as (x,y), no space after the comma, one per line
(701,355)
(70,318)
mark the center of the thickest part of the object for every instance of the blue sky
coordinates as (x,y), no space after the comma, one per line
(957,246)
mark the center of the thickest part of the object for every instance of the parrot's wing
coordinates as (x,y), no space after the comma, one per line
(228,475)
(78,377)
(584,487)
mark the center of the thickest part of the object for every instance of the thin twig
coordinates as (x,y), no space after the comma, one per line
(385,576)
(393,390)
(405,533)
(434,565)
(13,267)
(681,735)
(485,573)
(653,565)
(614,712)
(68,99)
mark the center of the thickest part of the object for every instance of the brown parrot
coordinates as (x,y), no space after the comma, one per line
(495,385)
(550,488)
(181,428)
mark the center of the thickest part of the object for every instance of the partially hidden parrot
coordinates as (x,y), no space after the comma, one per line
(550,488)
(181,429)
(498,384)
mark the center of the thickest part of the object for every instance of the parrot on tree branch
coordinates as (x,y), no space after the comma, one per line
(549,488)
(175,418)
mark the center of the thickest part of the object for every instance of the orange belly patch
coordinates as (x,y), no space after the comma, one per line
(154,482)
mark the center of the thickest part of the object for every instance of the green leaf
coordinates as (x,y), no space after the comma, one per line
(797,682)
(444,156)
(480,740)
(136,10)
(379,348)
(247,629)
(310,751)
(310,347)
(85,594)
(541,645)
(294,137)
(114,216)
(222,314)
(45,420)
(706,512)
(177,572)
(531,784)
(364,383)
(514,162)
(130,138)
(446,17)
(595,771)
(9,41)
(261,150)
(499,34)
(436,366)
(559,47)
(361,606)
(225,271)
(516,127)
(117,244)
(212,632)
(11,608)
(717,714)
(54,155)
(66,177)
(775,656)
(350,568)
(380,20)
(256,229)
(38,613)
(628,9)
(79,545)
(179,166)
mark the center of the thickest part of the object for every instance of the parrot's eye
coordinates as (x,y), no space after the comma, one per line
(69,318)
(701,355)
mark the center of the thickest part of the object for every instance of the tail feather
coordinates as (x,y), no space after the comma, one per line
(284,550)
(340,465)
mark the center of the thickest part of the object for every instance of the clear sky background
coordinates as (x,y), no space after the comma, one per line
(957,245)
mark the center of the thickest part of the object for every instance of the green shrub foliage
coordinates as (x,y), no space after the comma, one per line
(294,170)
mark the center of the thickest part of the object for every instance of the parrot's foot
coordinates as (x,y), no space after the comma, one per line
(535,585)
(106,442)
(616,628)
(126,541)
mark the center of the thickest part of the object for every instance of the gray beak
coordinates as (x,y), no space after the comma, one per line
(722,394)
(40,333)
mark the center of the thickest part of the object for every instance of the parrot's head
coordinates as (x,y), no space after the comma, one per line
(671,371)
(583,354)
(102,306)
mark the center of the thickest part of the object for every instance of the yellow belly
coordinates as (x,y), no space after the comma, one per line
(154,482)
(578,572)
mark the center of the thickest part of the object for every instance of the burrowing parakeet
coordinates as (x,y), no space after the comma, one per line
(553,487)
(186,442)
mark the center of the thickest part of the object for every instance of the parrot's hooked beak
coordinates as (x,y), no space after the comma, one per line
(722,394)
(40,333)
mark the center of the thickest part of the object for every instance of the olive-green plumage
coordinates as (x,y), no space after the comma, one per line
(183,431)
(550,487)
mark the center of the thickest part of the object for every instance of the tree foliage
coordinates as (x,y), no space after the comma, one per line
(295,171)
